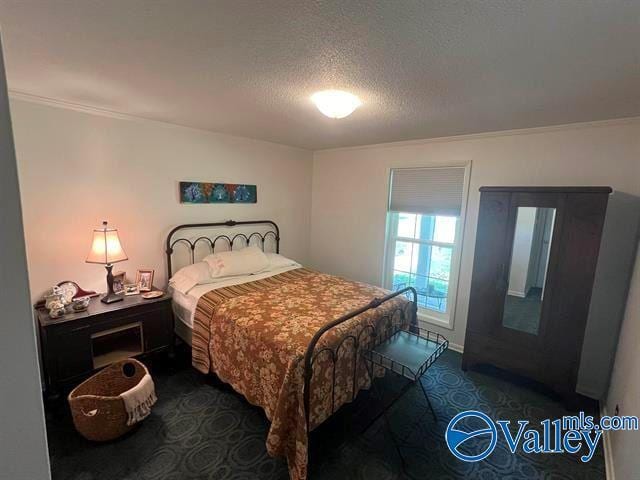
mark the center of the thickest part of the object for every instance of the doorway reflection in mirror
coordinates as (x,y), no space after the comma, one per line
(528,271)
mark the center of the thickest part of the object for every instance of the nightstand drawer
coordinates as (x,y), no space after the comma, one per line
(157,328)
(75,343)
(74,356)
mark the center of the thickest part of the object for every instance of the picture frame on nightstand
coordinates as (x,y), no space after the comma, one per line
(144,280)
(119,282)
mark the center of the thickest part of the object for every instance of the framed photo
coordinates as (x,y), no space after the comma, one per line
(118,282)
(144,280)
(131,289)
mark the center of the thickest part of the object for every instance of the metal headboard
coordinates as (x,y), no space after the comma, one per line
(212,241)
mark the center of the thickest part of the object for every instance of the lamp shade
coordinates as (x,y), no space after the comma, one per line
(106,247)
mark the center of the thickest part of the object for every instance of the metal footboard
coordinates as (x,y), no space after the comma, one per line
(355,341)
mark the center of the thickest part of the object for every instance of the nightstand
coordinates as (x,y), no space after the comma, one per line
(78,344)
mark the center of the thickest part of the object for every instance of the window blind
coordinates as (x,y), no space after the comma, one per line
(429,191)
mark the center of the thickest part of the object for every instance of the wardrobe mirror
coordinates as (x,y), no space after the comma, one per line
(528,271)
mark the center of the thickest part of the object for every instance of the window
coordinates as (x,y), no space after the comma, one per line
(424,231)
(422,257)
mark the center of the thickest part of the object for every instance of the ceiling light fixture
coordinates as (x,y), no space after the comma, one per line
(335,103)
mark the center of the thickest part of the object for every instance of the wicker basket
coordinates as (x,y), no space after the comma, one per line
(98,411)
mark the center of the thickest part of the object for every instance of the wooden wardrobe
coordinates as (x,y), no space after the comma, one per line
(535,260)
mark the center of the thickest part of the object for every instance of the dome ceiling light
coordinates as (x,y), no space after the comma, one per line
(335,103)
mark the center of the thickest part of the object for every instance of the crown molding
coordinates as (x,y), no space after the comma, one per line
(103,112)
(52,102)
(494,134)
(29,97)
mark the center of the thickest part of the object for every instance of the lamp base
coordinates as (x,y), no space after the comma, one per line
(111,298)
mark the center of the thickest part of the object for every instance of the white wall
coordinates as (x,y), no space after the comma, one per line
(521,253)
(23,443)
(611,287)
(350,187)
(625,385)
(77,169)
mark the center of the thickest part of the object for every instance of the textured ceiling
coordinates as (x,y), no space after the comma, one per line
(423,68)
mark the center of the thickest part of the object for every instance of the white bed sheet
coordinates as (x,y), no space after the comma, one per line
(184,305)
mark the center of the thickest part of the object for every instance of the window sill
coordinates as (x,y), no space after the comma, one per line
(423,316)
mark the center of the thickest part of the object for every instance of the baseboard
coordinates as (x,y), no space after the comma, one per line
(456,348)
(516,293)
(606,444)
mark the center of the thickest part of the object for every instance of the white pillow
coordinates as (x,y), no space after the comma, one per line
(277,261)
(188,277)
(237,262)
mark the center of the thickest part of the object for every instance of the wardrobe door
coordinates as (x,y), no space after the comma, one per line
(578,250)
(485,301)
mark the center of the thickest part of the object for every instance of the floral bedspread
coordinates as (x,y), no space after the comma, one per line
(254,337)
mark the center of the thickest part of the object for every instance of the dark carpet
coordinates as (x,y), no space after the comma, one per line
(523,313)
(201,429)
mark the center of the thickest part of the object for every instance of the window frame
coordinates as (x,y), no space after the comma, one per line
(445,320)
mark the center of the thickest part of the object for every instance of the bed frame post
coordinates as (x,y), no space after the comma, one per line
(309,354)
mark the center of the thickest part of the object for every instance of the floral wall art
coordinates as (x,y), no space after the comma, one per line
(201,192)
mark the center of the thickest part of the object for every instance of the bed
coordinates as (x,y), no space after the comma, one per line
(184,305)
(289,339)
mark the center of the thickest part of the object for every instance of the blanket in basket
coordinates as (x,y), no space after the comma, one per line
(138,400)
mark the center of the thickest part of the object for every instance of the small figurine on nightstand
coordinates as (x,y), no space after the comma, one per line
(66,297)
(56,309)
(80,304)
(54,301)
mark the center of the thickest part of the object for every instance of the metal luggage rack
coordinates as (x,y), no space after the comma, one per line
(408,353)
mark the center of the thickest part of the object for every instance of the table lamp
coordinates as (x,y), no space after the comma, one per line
(107,250)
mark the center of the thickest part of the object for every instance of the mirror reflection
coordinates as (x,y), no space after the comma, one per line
(528,271)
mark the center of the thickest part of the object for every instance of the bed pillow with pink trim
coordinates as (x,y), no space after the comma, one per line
(237,262)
